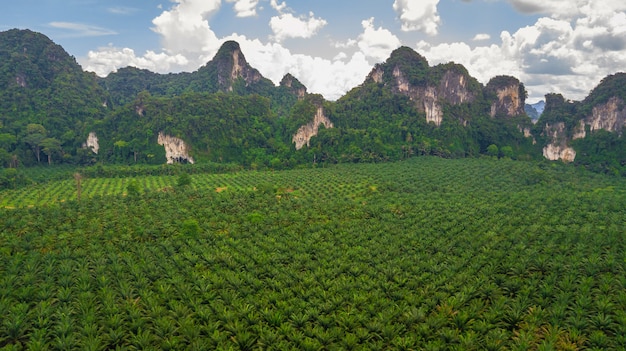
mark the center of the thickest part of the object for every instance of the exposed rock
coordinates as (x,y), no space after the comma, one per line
(235,67)
(452,88)
(306,132)
(92,143)
(556,152)
(21,81)
(527,133)
(557,149)
(377,74)
(510,99)
(579,131)
(139,110)
(608,116)
(294,86)
(176,151)
(434,113)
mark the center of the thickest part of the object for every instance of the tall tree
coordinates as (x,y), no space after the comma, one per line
(35,134)
(50,146)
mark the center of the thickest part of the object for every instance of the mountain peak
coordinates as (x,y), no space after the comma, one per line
(409,56)
(228,48)
(293,85)
(230,64)
(509,96)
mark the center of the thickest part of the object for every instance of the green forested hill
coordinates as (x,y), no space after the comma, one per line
(47,102)
(226,111)
(228,71)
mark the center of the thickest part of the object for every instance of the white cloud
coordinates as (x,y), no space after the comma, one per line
(331,78)
(287,25)
(555,54)
(481,37)
(568,51)
(245,8)
(344,45)
(185,28)
(418,15)
(189,42)
(376,43)
(278,7)
(557,8)
(108,59)
(81,29)
(571,9)
(122,10)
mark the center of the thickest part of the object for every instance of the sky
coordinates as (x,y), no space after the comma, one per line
(555,46)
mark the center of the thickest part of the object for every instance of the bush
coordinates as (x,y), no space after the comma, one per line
(184,179)
(190,228)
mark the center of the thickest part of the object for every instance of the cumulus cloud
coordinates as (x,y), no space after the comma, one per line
(108,59)
(418,15)
(481,37)
(245,8)
(568,9)
(287,25)
(81,29)
(568,51)
(376,43)
(188,42)
(555,54)
(280,7)
(344,44)
(185,28)
(329,77)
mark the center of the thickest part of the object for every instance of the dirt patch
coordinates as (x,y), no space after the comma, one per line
(220,189)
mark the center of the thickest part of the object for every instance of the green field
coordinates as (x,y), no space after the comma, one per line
(425,254)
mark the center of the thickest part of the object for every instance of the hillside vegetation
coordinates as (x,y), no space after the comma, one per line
(226,111)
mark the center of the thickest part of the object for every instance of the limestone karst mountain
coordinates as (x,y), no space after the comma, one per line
(226,111)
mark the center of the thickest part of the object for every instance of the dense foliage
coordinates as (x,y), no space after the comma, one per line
(600,150)
(46,101)
(429,254)
(226,111)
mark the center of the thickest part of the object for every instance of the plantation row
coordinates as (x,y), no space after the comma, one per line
(342,180)
(429,254)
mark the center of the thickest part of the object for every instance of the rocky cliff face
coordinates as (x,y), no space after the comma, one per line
(579,131)
(176,151)
(509,96)
(610,116)
(452,88)
(306,132)
(293,85)
(557,148)
(92,142)
(232,64)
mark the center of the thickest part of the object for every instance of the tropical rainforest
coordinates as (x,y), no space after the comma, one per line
(227,112)
(214,210)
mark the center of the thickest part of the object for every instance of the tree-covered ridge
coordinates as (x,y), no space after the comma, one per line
(47,101)
(228,71)
(413,65)
(611,86)
(49,106)
(601,150)
(218,127)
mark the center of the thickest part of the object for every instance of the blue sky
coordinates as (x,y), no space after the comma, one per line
(551,45)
